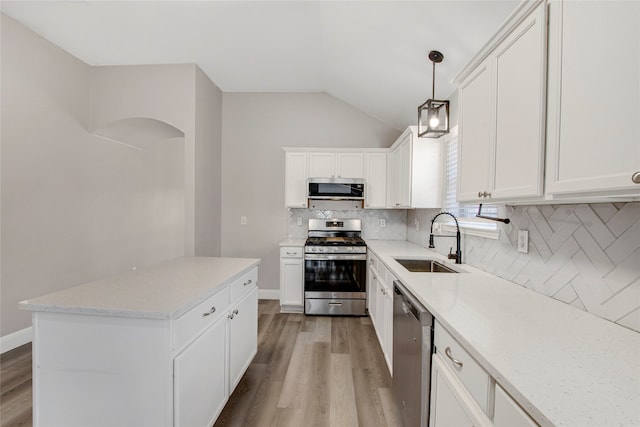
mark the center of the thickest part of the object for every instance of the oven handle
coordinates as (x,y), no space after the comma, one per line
(328,257)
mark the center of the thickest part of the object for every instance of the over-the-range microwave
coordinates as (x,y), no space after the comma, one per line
(335,193)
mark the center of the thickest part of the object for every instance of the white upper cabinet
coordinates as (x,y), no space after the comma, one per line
(350,165)
(415,172)
(336,165)
(295,182)
(519,64)
(474,138)
(593,134)
(322,165)
(375,175)
(502,116)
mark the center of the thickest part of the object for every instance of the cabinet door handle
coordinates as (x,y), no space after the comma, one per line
(210,312)
(455,361)
(479,193)
(636,178)
(230,316)
(248,282)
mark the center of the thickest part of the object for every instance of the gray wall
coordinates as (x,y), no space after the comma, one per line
(254,128)
(208,167)
(78,207)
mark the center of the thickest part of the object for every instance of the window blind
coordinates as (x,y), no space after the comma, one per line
(460,210)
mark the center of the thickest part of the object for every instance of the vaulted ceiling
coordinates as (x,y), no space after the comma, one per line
(370,54)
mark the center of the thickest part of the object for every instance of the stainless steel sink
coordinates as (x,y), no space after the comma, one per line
(424,266)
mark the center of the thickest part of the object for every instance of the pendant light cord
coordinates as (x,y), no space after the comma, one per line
(433,81)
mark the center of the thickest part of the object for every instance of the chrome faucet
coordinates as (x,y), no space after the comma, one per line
(458,255)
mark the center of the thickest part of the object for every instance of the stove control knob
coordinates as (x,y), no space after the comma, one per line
(335,249)
(314,249)
(349,249)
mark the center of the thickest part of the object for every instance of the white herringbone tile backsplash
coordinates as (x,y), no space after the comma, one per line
(585,255)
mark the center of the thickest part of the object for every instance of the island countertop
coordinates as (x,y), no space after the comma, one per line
(161,291)
(564,366)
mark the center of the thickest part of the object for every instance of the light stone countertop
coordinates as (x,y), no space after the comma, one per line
(161,291)
(293,242)
(564,366)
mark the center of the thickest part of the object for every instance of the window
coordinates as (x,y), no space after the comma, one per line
(464,212)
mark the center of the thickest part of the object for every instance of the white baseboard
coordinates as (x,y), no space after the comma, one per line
(16,339)
(268,293)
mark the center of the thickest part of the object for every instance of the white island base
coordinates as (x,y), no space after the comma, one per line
(171,358)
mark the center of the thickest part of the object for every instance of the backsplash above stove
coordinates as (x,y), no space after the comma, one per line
(585,255)
(395,222)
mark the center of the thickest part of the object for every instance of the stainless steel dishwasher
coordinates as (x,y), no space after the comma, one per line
(412,348)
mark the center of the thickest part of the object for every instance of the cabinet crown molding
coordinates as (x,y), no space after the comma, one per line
(512,21)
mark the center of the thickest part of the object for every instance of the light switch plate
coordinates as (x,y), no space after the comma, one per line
(383,223)
(243,220)
(299,221)
(523,241)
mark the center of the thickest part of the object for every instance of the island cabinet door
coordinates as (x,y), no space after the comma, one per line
(243,336)
(200,389)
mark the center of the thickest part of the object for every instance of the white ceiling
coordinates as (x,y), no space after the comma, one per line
(371,54)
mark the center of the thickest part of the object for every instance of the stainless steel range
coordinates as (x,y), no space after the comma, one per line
(335,268)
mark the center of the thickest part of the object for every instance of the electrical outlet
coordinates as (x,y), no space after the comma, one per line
(523,241)
(417,224)
(383,222)
(243,220)
(299,221)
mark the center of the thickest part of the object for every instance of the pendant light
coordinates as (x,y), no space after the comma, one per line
(433,115)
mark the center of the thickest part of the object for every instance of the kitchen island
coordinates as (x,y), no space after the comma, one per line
(563,366)
(162,345)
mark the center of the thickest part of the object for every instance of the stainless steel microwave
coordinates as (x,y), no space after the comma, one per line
(336,193)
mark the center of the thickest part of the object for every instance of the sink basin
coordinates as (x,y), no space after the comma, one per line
(424,266)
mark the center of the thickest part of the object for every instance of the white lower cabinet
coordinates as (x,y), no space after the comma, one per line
(380,294)
(145,371)
(243,336)
(291,279)
(200,389)
(464,394)
(507,413)
(451,403)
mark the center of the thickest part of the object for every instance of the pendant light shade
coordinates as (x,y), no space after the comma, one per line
(433,115)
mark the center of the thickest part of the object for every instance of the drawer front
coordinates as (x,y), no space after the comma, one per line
(508,413)
(470,373)
(198,318)
(291,252)
(244,284)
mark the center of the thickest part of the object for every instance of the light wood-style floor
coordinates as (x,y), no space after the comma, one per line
(309,371)
(313,371)
(15,387)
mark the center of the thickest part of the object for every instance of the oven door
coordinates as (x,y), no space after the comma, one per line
(335,276)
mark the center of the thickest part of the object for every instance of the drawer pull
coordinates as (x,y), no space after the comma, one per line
(455,361)
(636,178)
(210,312)
(335,304)
(248,282)
(291,253)
(235,311)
